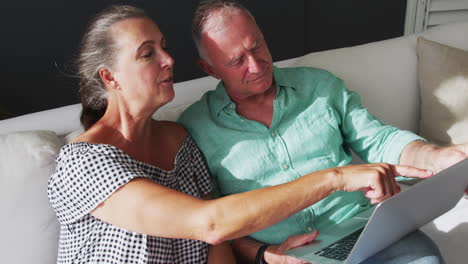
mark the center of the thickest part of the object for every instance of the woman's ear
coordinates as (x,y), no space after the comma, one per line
(206,67)
(108,78)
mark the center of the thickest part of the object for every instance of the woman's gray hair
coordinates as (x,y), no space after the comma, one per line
(97,51)
(206,10)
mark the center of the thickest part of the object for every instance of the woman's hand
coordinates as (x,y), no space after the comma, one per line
(376,180)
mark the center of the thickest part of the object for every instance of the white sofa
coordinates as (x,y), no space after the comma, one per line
(384,73)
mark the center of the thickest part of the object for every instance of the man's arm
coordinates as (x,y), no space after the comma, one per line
(428,156)
(221,253)
(245,249)
(431,157)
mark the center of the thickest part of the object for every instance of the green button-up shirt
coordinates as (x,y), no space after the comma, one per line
(316,121)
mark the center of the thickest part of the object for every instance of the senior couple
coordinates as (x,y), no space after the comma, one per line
(261,161)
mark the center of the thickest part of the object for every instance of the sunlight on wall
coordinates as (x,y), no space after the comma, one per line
(453,95)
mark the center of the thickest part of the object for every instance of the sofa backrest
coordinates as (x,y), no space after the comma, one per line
(384,73)
(65,121)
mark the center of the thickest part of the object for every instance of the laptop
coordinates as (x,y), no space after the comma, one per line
(378,227)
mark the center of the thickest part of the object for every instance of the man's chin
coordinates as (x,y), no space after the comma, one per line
(265,80)
(262,88)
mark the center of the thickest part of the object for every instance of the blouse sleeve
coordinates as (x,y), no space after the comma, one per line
(200,168)
(83,180)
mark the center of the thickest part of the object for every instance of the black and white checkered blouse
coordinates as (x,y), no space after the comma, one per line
(87,174)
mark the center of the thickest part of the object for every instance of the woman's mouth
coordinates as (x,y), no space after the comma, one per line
(167,80)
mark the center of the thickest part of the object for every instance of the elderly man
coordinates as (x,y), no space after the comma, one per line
(264,126)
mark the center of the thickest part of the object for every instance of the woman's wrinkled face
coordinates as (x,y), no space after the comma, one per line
(142,68)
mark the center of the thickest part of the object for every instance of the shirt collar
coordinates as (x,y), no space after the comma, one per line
(222,99)
(282,79)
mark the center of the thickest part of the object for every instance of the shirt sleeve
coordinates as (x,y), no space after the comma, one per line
(371,139)
(82,181)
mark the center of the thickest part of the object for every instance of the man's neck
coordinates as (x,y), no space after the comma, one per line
(257,99)
(258,107)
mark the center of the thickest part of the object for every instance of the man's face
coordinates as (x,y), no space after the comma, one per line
(237,53)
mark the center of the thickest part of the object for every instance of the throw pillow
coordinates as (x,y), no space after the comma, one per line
(29,228)
(443,82)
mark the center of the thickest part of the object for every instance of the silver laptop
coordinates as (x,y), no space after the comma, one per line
(378,227)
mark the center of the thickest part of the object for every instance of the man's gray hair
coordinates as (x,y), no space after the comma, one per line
(201,21)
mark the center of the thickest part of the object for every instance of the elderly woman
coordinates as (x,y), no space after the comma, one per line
(134,190)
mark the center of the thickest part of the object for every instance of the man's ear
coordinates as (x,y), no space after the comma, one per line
(206,67)
(108,78)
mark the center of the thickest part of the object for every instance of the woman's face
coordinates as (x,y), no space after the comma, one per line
(143,68)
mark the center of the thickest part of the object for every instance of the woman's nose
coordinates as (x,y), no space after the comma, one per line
(166,60)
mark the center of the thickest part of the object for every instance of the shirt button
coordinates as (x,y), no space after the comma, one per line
(285,166)
(309,229)
(273,134)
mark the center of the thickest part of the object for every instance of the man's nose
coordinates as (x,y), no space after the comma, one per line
(254,65)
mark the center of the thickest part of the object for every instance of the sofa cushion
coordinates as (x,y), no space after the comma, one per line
(383,73)
(28,226)
(443,82)
(170,112)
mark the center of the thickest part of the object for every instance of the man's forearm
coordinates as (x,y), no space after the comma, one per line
(431,157)
(221,253)
(420,155)
(245,249)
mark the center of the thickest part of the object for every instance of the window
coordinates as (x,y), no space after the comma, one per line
(423,14)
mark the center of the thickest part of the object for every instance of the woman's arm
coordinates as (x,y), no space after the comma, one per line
(146,207)
(149,208)
(221,253)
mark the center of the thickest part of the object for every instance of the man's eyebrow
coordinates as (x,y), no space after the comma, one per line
(254,46)
(233,60)
(257,42)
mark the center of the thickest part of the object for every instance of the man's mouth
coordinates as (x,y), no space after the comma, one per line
(257,78)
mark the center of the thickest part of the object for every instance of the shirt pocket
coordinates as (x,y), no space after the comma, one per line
(319,139)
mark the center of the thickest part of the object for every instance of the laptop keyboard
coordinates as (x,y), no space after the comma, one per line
(340,249)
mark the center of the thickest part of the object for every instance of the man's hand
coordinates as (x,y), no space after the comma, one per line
(376,180)
(274,254)
(428,156)
(448,156)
